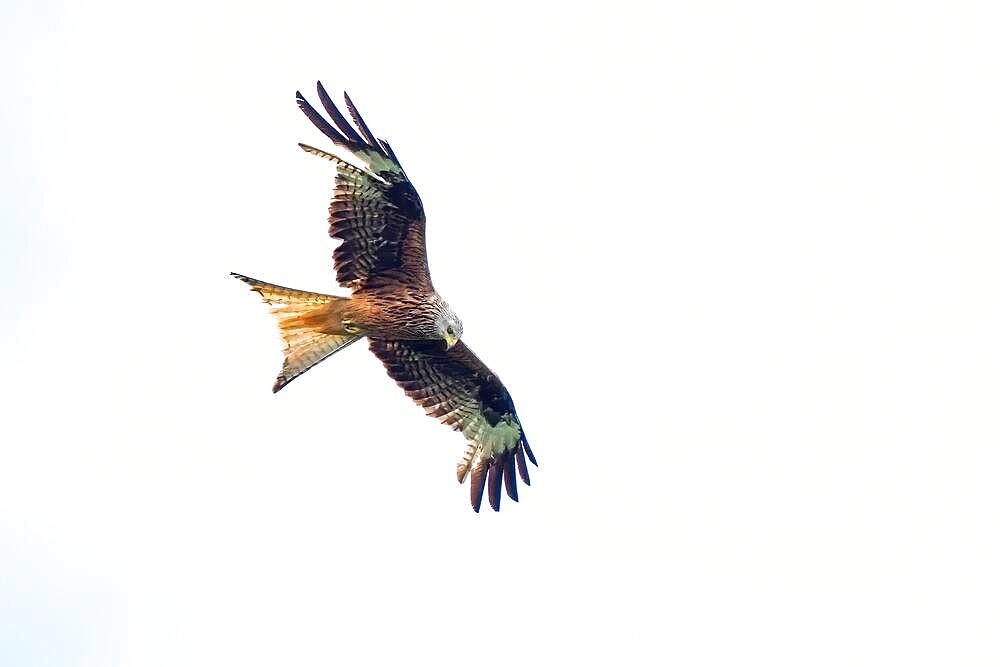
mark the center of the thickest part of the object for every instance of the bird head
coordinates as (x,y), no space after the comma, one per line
(449,327)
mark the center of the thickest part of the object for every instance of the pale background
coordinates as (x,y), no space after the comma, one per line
(736,262)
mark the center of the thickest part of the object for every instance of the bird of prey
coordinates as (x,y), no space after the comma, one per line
(382,258)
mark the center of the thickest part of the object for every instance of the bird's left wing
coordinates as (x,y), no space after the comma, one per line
(375,211)
(460,390)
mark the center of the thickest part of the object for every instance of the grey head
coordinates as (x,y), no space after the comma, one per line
(447,325)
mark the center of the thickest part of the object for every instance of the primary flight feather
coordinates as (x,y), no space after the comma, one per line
(382,258)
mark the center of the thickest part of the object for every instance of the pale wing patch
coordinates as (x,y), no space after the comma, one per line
(367,161)
(379,163)
(485,442)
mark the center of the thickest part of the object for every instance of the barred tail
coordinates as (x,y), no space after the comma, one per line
(309,323)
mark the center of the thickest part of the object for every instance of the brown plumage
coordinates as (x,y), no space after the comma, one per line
(379,218)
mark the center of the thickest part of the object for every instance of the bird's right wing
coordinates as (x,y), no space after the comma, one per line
(375,211)
(457,388)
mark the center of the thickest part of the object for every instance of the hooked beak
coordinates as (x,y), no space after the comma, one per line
(450,341)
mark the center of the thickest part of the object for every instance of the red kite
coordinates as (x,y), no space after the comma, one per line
(382,259)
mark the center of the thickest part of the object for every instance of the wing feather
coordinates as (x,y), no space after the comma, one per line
(376,212)
(522,467)
(338,118)
(510,480)
(360,122)
(496,479)
(527,450)
(321,123)
(476,486)
(456,387)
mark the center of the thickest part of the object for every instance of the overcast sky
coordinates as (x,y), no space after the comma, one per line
(736,263)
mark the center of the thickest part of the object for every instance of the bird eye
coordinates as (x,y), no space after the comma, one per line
(451,332)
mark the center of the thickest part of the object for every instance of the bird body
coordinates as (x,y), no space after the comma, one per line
(378,216)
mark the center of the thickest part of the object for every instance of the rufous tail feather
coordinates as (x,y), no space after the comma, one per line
(309,323)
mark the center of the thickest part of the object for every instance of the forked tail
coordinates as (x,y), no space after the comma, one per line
(308,322)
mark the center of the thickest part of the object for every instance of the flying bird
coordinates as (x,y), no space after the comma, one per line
(382,259)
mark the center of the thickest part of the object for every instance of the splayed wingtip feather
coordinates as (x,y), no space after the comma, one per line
(522,467)
(495,479)
(527,450)
(509,478)
(476,486)
(362,126)
(336,115)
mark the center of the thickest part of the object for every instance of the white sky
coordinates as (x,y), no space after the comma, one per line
(738,266)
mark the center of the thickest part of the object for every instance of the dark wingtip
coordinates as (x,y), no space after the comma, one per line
(496,477)
(362,126)
(338,118)
(509,479)
(316,119)
(476,486)
(527,450)
(522,467)
(388,150)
